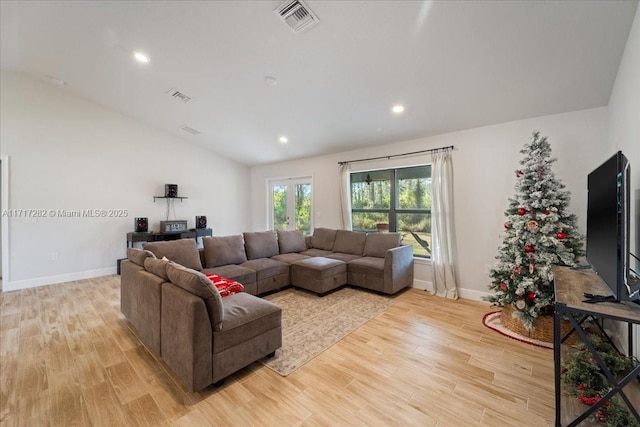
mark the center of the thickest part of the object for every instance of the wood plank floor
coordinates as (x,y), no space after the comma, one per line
(68,357)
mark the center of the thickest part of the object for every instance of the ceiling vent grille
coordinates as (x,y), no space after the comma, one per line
(190,130)
(176,94)
(297,15)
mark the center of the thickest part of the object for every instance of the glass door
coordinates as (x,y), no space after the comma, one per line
(290,201)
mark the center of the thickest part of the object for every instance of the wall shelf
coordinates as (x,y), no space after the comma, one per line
(168,198)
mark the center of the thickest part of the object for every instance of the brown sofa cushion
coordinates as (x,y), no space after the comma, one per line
(377,244)
(291,241)
(323,238)
(157,267)
(198,284)
(223,250)
(138,256)
(260,244)
(182,251)
(349,242)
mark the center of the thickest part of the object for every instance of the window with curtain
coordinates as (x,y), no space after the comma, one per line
(396,200)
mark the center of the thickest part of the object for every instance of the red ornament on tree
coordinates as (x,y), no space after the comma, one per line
(503,287)
(522,211)
(516,269)
(528,248)
(531,296)
(546,211)
(519,173)
(561,235)
(507,225)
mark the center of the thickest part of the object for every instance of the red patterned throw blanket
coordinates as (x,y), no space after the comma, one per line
(225,286)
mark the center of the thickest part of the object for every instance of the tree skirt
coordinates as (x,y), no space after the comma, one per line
(492,321)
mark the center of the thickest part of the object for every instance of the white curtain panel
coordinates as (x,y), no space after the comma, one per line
(442,233)
(345,195)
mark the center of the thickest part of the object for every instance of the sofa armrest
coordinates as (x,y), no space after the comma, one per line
(186,337)
(398,269)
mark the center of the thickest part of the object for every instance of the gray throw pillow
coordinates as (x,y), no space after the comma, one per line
(157,267)
(260,244)
(223,250)
(323,238)
(182,251)
(138,256)
(349,242)
(377,244)
(291,241)
(199,285)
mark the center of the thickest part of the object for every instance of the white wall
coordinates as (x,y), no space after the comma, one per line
(624,135)
(69,153)
(484,161)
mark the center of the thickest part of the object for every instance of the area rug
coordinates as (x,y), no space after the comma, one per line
(492,321)
(312,324)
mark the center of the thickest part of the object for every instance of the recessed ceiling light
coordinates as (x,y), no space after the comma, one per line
(56,80)
(271,81)
(397,108)
(141,57)
(283,140)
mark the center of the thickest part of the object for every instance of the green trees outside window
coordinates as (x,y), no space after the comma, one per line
(399,198)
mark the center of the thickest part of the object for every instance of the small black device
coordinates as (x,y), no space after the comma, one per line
(171,190)
(142,225)
(201,221)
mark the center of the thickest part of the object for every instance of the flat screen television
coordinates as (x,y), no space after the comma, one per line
(608,226)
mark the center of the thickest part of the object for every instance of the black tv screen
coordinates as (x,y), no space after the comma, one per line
(608,223)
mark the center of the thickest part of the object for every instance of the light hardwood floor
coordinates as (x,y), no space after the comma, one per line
(68,357)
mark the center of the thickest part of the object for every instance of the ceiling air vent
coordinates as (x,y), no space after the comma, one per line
(297,15)
(190,130)
(176,94)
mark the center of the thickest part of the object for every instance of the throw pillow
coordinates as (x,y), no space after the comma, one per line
(157,267)
(199,285)
(323,238)
(349,242)
(137,256)
(225,286)
(182,251)
(260,244)
(223,250)
(291,241)
(377,244)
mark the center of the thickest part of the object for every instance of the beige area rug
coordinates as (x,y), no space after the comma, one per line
(312,324)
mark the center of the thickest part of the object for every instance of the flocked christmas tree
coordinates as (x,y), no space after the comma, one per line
(539,233)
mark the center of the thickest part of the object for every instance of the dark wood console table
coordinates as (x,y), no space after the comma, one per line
(570,286)
(150,236)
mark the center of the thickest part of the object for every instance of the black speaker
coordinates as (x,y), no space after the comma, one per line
(171,190)
(142,225)
(201,222)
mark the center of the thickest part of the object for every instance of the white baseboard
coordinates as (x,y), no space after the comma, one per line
(424,285)
(470,294)
(61,278)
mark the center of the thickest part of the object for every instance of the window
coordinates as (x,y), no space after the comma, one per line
(397,200)
(291,205)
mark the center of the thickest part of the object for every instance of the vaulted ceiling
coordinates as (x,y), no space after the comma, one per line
(453,65)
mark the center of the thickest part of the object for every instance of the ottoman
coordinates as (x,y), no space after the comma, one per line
(318,274)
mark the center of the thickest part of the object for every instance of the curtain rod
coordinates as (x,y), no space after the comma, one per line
(432,150)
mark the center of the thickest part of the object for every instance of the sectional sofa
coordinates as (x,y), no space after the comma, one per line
(264,261)
(180,316)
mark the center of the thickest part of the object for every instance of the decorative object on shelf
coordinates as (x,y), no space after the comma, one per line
(142,225)
(201,221)
(171,190)
(534,241)
(173,226)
